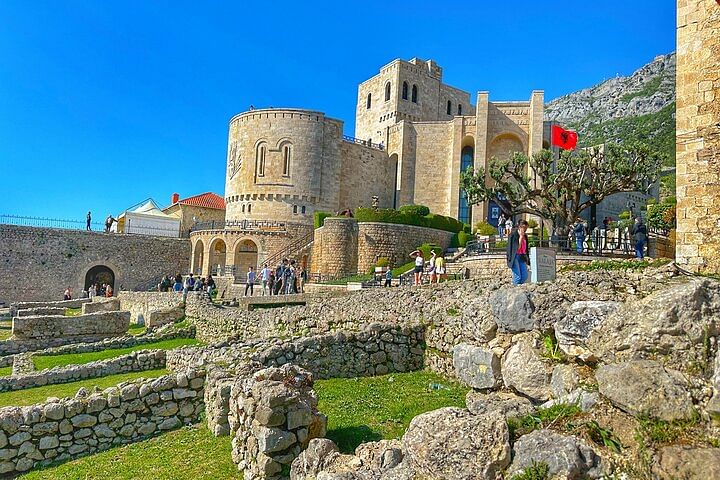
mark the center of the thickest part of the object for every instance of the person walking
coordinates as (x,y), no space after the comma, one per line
(579,230)
(517,253)
(271,283)
(108,291)
(250,281)
(501,226)
(508,226)
(419,265)
(88,220)
(210,285)
(640,235)
(303,278)
(440,269)
(108,223)
(92,291)
(291,276)
(265,279)
(67,295)
(431,269)
(388,277)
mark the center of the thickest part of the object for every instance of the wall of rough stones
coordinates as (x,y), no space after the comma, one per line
(39,263)
(140,304)
(73,427)
(75,303)
(101,304)
(139,361)
(335,247)
(31,312)
(80,328)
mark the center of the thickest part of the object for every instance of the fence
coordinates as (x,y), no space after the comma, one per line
(82,225)
(366,143)
(261,225)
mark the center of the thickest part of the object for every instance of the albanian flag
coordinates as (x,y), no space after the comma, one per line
(564,139)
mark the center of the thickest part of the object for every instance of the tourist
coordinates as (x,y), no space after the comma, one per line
(92,291)
(279,274)
(68,294)
(189,283)
(302,277)
(178,285)
(501,226)
(165,284)
(88,219)
(388,277)
(265,278)
(271,282)
(109,291)
(200,285)
(517,253)
(431,268)
(108,223)
(291,276)
(210,284)
(419,265)
(250,281)
(579,231)
(640,235)
(440,269)
(508,226)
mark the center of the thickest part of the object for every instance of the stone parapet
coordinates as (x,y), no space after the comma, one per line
(99,325)
(141,304)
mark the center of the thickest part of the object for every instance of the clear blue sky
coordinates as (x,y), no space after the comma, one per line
(106,103)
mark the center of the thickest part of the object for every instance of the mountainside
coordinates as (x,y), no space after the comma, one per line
(637,107)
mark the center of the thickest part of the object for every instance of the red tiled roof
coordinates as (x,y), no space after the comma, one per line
(207,200)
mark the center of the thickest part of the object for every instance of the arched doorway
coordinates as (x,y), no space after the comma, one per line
(246,255)
(218,251)
(198,257)
(99,274)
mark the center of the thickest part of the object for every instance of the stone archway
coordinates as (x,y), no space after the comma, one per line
(218,253)
(246,255)
(99,274)
(198,257)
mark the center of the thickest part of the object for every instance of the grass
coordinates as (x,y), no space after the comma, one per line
(543,418)
(5,371)
(48,361)
(190,452)
(136,329)
(536,471)
(647,91)
(657,432)
(40,394)
(5,333)
(73,312)
(552,349)
(373,408)
(396,272)
(627,265)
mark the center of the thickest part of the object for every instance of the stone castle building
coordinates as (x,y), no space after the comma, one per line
(698,135)
(414,135)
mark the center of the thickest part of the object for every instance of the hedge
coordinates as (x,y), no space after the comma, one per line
(389,215)
(419,210)
(319,218)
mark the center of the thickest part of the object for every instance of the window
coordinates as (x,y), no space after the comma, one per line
(249,208)
(387,91)
(295,209)
(405,91)
(243,208)
(369,101)
(287,154)
(459,109)
(260,160)
(466,160)
(414,94)
(303,209)
(449,108)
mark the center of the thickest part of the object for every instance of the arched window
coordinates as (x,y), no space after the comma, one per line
(459,109)
(287,155)
(302,209)
(449,108)
(414,94)
(387,91)
(405,91)
(369,101)
(260,160)
(249,208)
(295,209)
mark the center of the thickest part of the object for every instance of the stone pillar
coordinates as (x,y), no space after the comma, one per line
(479,212)
(337,252)
(276,414)
(698,135)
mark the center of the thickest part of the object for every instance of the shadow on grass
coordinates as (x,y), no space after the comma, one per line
(348,438)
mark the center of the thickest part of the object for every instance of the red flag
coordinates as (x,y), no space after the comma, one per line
(565,139)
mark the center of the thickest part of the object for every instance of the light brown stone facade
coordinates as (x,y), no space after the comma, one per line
(698,135)
(191,214)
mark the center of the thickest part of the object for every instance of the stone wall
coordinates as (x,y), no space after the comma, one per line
(140,304)
(133,362)
(335,249)
(73,427)
(80,328)
(101,305)
(74,303)
(39,263)
(660,246)
(32,312)
(366,172)
(698,135)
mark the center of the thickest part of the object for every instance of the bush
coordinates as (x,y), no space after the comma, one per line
(389,215)
(463,238)
(467,228)
(419,210)
(382,262)
(532,223)
(426,248)
(625,215)
(484,228)
(319,218)
(661,216)
(670,200)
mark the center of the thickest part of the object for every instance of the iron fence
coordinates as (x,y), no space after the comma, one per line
(95,226)
(262,225)
(366,143)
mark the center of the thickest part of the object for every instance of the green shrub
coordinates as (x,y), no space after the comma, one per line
(463,238)
(536,471)
(532,223)
(484,228)
(419,210)
(319,218)
(389,215)
(426,248)
(651,201)
(670,200)
(625,215)
(661,216)
(382,262)
(467,228)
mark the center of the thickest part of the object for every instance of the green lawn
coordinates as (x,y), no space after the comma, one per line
(374,408)
(5,371)
(136,329)
(191,452)
(48,361)
(30,396)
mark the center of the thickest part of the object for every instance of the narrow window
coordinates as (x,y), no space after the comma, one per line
(303,209)
(249,208)
(459,109)
(369,101)
(260,159)
(287,153)
(449,108)
(243,208)
(295,209)
(414,94)
(387,91)
(405,91)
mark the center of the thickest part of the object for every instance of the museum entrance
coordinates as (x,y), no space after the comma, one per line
(99,274)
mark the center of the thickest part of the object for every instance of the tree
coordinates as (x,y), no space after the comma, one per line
(559,189)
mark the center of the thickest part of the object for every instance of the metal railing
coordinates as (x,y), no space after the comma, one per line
(291,249)
(82,225)
(250,225)
(358,141)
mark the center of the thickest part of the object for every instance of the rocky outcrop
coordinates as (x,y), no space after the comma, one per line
(582,318)
(513,310)
(476,366)
(524,371)
(508,404)
(678,462)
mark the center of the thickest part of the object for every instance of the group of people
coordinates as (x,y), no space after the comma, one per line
(108,222)
(504,226)
(94,290)
(175,283)
(286,278)
(435,268)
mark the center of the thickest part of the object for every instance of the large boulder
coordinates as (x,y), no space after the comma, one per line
(512,308)
(476,366)
(581,319)
(322,461)
(524,371)
(453,444)
(508,404)
(567,457)
(646,387)
(680,462)
(673,324)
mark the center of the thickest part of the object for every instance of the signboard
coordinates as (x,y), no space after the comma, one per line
(542,264)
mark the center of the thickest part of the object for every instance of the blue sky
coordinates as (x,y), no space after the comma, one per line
(106,103)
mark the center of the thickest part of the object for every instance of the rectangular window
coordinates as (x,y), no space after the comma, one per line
(286,160)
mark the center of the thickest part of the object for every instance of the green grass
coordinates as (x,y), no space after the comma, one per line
(543,418)
(40,394)
(48,361)
(136,329)
(190,452)
(73,312)
(5,371)
(658,432)
(536,471)
(5,333)
(627,265)
(397,271)
(374,408)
